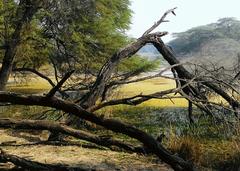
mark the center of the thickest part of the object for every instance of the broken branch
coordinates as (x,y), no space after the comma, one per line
(60,83)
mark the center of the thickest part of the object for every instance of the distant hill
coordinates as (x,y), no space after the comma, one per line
(149,51)
(216,42)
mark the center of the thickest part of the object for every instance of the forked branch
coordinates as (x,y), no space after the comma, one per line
(138,99)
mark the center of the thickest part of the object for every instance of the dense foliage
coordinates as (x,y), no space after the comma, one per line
(71,34)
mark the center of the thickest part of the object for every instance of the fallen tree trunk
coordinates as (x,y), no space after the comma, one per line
(151,143)
(32,165)
(56,127)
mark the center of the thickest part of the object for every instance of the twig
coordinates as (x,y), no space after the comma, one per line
(34,71)
(41,75)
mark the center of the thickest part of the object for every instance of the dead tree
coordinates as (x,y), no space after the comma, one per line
(57,127)
(114,125)
(84,107)
(184,74)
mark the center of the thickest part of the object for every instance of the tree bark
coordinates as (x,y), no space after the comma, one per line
(190,110)
(25,164)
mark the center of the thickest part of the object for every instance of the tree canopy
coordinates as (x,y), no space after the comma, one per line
(70,34)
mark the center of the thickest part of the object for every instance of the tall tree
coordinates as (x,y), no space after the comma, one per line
(68,34)
(22,16)
(86,31)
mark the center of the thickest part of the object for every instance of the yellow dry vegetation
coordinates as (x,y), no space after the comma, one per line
(152,86)
(38,85)
(33,85)
(29,85)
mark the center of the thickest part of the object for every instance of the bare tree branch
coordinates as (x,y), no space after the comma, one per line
(59,84)
(31,165)
(237,76)
(184,74)
(143,78)
(162,19)
(34,71)
(41,75)
(106,71)
(4,158)
(138,99)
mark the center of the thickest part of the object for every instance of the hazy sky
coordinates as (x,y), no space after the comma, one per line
(190,13)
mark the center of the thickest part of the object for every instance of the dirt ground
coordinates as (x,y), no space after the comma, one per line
(74,156)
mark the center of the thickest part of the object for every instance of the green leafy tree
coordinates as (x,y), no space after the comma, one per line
(16,15)
(86,33)
(68,34)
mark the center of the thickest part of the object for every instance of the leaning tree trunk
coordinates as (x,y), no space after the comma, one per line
(6,66)
(106,71)
(169,56)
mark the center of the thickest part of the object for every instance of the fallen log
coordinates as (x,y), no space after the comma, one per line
(56,127)
(26,164)
(150,142)
(52,143)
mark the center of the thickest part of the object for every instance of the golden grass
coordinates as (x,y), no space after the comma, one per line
(38,85)
(152,86)
(30,85)
(160,84)
(187,148)
(206,152)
